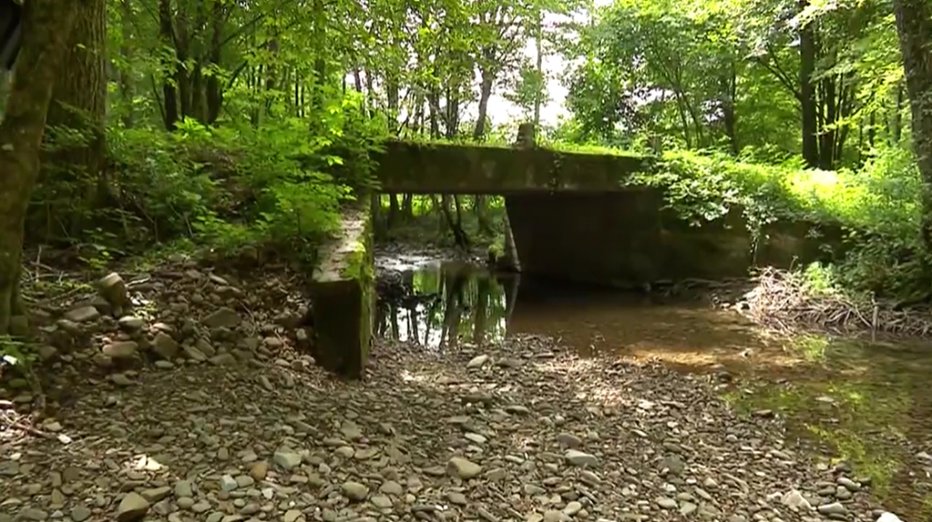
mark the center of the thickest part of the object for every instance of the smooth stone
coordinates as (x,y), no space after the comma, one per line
(580,459)
(132,507)
(666,502)
(835,508)
(80,513)
(463,468)
(354,490)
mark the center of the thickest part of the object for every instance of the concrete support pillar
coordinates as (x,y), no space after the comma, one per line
(511,261)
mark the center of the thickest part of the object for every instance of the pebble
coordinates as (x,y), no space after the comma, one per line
(849,484)
(259,470)
(572,508)
(183,488)
(794,499)
(80,513)
(666,502)
(580,459)
(132,507)
(381,501)
(287,458)
(354,490)
(834,508)
(463,468)
(477,361)
(568,440)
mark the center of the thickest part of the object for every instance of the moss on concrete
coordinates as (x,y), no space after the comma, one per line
(343,295)
(427,168)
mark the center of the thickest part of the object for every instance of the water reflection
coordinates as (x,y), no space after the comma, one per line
(438,304)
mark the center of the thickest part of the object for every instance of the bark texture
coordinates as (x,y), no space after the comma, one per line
(914,26)
(46,27)
(79,97)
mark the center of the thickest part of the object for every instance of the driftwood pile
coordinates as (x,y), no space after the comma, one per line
(782,300)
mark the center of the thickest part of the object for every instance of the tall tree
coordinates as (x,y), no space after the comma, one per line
(46,27)
(914,26)
(79,98)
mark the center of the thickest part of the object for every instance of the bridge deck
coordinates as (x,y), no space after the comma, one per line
(429,168)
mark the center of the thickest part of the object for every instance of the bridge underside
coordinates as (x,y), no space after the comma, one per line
(629,239)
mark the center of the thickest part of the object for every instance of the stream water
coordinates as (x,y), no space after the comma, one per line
(866,403)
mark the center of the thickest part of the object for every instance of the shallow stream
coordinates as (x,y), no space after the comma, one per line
(865,403)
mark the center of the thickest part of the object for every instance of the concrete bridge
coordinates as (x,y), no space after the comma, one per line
(572,216)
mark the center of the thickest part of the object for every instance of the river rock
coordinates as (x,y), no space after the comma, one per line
(849,484)
(82,314)
(130,323)
(132,507)
(463,468)
(287,458)
(886,516)
(580,459)
(795,500)
(228,483)
(477,361)
(112,288)
(33,514)
(834,508)
(154,495)
(354,491)
(80,513)
(390,487)
(258,471)
(568,440)
(666,502)
(121,349)
(165,346)
(222,318)
(184,488)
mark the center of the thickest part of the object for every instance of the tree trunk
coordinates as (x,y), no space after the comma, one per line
(46,26)
(214,89)
(807,98)
(485,92)
(914,26)
(539,65)
(79,97)
(169,93)
(126,53)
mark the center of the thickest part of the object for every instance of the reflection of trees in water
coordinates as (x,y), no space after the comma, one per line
(446,303)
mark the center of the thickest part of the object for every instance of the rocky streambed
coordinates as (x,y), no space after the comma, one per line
(212,409)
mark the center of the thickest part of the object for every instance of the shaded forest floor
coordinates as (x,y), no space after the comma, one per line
(203,403)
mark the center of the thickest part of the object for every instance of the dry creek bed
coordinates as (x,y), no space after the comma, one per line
(196,404)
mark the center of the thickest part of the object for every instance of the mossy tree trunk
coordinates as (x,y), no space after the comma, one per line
(79,103)
(46,24)
(914,26)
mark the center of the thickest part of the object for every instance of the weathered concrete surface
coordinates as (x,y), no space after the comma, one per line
(427,168)
(342,291)
(628,239)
